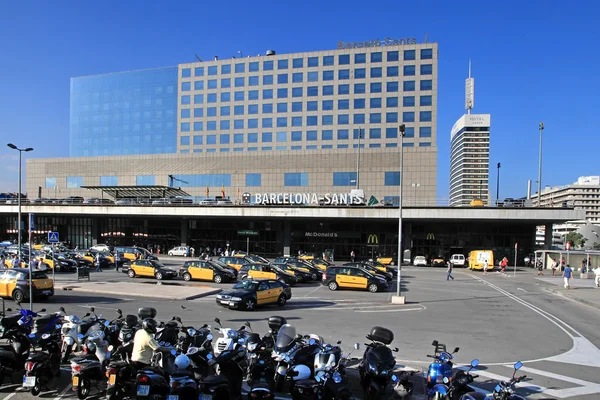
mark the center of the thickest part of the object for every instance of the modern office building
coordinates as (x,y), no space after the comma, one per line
(470,160)
(279,123)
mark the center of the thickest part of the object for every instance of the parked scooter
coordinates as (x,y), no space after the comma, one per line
(153,381)
(42,366)
(261,369)
(378,363)
(441,367)
(502,391)
(72,328)
(86,371)
(14,354)
(228,384)
(454,388)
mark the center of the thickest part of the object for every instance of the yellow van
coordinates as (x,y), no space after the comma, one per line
(478,257)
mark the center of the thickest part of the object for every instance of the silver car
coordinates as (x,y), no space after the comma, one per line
(179,251)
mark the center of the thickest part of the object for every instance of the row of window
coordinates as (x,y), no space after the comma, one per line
(311,120)
(310,62)
(326,105)
(299,77)
(311,91)
(307,147)
(298,136)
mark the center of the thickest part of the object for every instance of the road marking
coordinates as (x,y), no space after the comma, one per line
(17,390)
(391,310)
(522,290)
(63,392)
(584,388)
(312,291)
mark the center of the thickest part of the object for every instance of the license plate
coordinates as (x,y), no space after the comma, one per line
(28,381)
(112,379)
(75,381)
(224,301)
(173,397)
(143,390)
(47,292)
(205,397)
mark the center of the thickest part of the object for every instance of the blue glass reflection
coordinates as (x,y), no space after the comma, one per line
(124,113)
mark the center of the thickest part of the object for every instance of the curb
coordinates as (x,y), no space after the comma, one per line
(582,301)
(117,293)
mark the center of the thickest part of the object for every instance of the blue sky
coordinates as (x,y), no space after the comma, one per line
(532,61)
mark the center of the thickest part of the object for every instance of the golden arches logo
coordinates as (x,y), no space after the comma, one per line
(430,236)
(373,239)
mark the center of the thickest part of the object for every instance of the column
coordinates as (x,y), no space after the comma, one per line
(184,231)
(287,238)
(548,237)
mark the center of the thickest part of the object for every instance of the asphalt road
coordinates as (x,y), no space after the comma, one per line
(497,319)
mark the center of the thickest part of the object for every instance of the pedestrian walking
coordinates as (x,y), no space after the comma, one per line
(227,253)
(567,276)
(98,268)
(540,267)
(449,272)
(503,265)
(192,251)
(485,267)
(117,261)
(554,267)
(352,255)
(597,276)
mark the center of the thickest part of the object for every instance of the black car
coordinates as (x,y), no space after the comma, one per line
(301,275)
(204,270)
(373,270)
(316,273)
(225,267)
(249,293)
(273,271)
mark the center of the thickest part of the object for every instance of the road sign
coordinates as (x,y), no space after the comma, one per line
(568,245)
(53,237)
(31,225)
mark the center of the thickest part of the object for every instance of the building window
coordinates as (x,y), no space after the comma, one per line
(360,73)
(225,111)
(408,101)
(295,179)
(311,135)
(391,102)
(409,86)
(267,122)
(359,104)
(297,92)
(344,89)
(225,125)
(427,84)
(211,111)
(375,102)
(199,85)
(239,82)
(282,107)
(253,95)
(313,62)
(408,116)
(312,106)
(343,104)
(392,87)
(391,145)
(225,83)
(198,140)
(342,134)
(145,180)
(375,118)
(392,55)
(282,78)
(374,145)
(426,101)
(296,136)
(297,77)
(199,71)
(426,69)
(343,119)
(267,108)
(391,133)
(185,113)
(282,93)
(267,65)
(297,63)
(328,90)
(253,109)
(238,96)
(252,148)
(425,131)
(198,99)
(225,97)
(392,71)
(267,137)
(184,140)
(253,66)
(186,86)
(344,74)
(391,179)
(253,138)
(312,120)
(376,57)
(50,183)
(425,144)
(408,144)
(344,178)
(409,55)
(409,70)
(212,70)
(393,200)
(185,127)
(426,54)
(240,68)
(328,60)
(425,116)
(253,180)
(328,75)
(203,180)
(186,72)
(310,77)
(108,181)
(267,79)
(198,126)
(296,121)
(282,136)
(211,139)
(327,135)
(374,133)
(359,88)
(281,122)
(409,132)
(212,83)
(185,99)
(360,58)
(74,182)
(391,117)
(344,59)
(376,72)
(327,105)
(359,118)
(238,110)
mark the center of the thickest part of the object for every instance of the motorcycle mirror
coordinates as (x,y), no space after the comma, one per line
(339,342)
(518,365)
(312,342)
(87,314)
(356,346)
(106,323)
(209,337)
(396,349)
(435,343)
(456,349)
(247,323)
(394,378)
(173,352)
(9,309)
(43,310)
(217,320)
(62,309)
(119,311)
(92,309)
(474,363)
(110,348)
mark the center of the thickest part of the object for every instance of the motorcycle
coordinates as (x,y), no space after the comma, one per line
(85,371)
(228,384)
(72,327)
(441,367)
(42,366)
(454,388)
(152,381)
(120,373)
(403,385)
(228,340)
(14,354)
(502,391)
(377,364)
(261,369)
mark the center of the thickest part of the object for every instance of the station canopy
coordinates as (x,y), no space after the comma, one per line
(127,192)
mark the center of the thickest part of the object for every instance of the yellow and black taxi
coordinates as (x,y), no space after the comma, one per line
(438,262)
(382,267)
(14,283)
(251,257)
(307,256)
(385,260)
(205,271)
(274,271)
(370,268)
(321,264)
(59,262)
(301,265)
(301,275)
(133,252)
(149,269)
(348,277)
(250,293)
(235,262)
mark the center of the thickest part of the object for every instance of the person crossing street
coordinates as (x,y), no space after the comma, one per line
(597,276)
(98,268)
(449,272)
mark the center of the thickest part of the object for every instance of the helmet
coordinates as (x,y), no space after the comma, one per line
(300,371)
(150,325)
(182,361)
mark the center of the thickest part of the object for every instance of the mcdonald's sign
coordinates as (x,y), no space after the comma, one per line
(430,236)
(373,239)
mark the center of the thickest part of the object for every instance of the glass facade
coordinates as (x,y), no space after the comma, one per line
(125,113)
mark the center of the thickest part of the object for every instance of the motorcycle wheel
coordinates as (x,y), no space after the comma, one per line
(83,390)
(36,389)
(279,381)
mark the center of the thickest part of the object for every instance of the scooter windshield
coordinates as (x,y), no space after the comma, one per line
(285,337)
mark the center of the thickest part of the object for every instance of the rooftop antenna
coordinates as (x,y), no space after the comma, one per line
(198,58)
(240,53)
(426,35)
(469,91)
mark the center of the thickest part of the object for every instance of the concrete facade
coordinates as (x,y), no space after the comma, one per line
(581,195)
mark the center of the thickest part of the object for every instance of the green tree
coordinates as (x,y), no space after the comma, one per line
(576,239)
(596,246)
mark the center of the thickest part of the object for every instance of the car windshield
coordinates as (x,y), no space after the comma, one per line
(157,264)
(246,285)
(218,264)
(35,275)
(369,274)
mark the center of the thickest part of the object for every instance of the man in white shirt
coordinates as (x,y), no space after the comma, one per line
(597,276)
(485,267)
(144,344)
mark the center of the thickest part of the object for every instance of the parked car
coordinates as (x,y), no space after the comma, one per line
(420,260)
(125,202)
(438,262)
(208,202)
(179,251)
(161,202)
(458,260)
(100,247)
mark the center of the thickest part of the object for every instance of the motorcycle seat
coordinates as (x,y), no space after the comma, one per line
(153,370)
(85,360)
(8,354)
(306,383)
(9,321)
(118,364)
(261,386)
(214,380)
(182,374)
(38,356)
(44,319)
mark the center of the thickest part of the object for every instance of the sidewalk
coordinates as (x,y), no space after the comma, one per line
(582,290)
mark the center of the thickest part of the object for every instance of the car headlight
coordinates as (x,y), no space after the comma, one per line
(236,299)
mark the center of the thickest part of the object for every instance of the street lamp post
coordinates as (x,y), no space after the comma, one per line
(498,185)
(415,185)
(358,159)
(539,197)
(398,299)
(12,146)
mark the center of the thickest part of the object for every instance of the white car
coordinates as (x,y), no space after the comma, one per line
(208,202)
(179,251)
(458,260)
(101,248)
(420,260)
